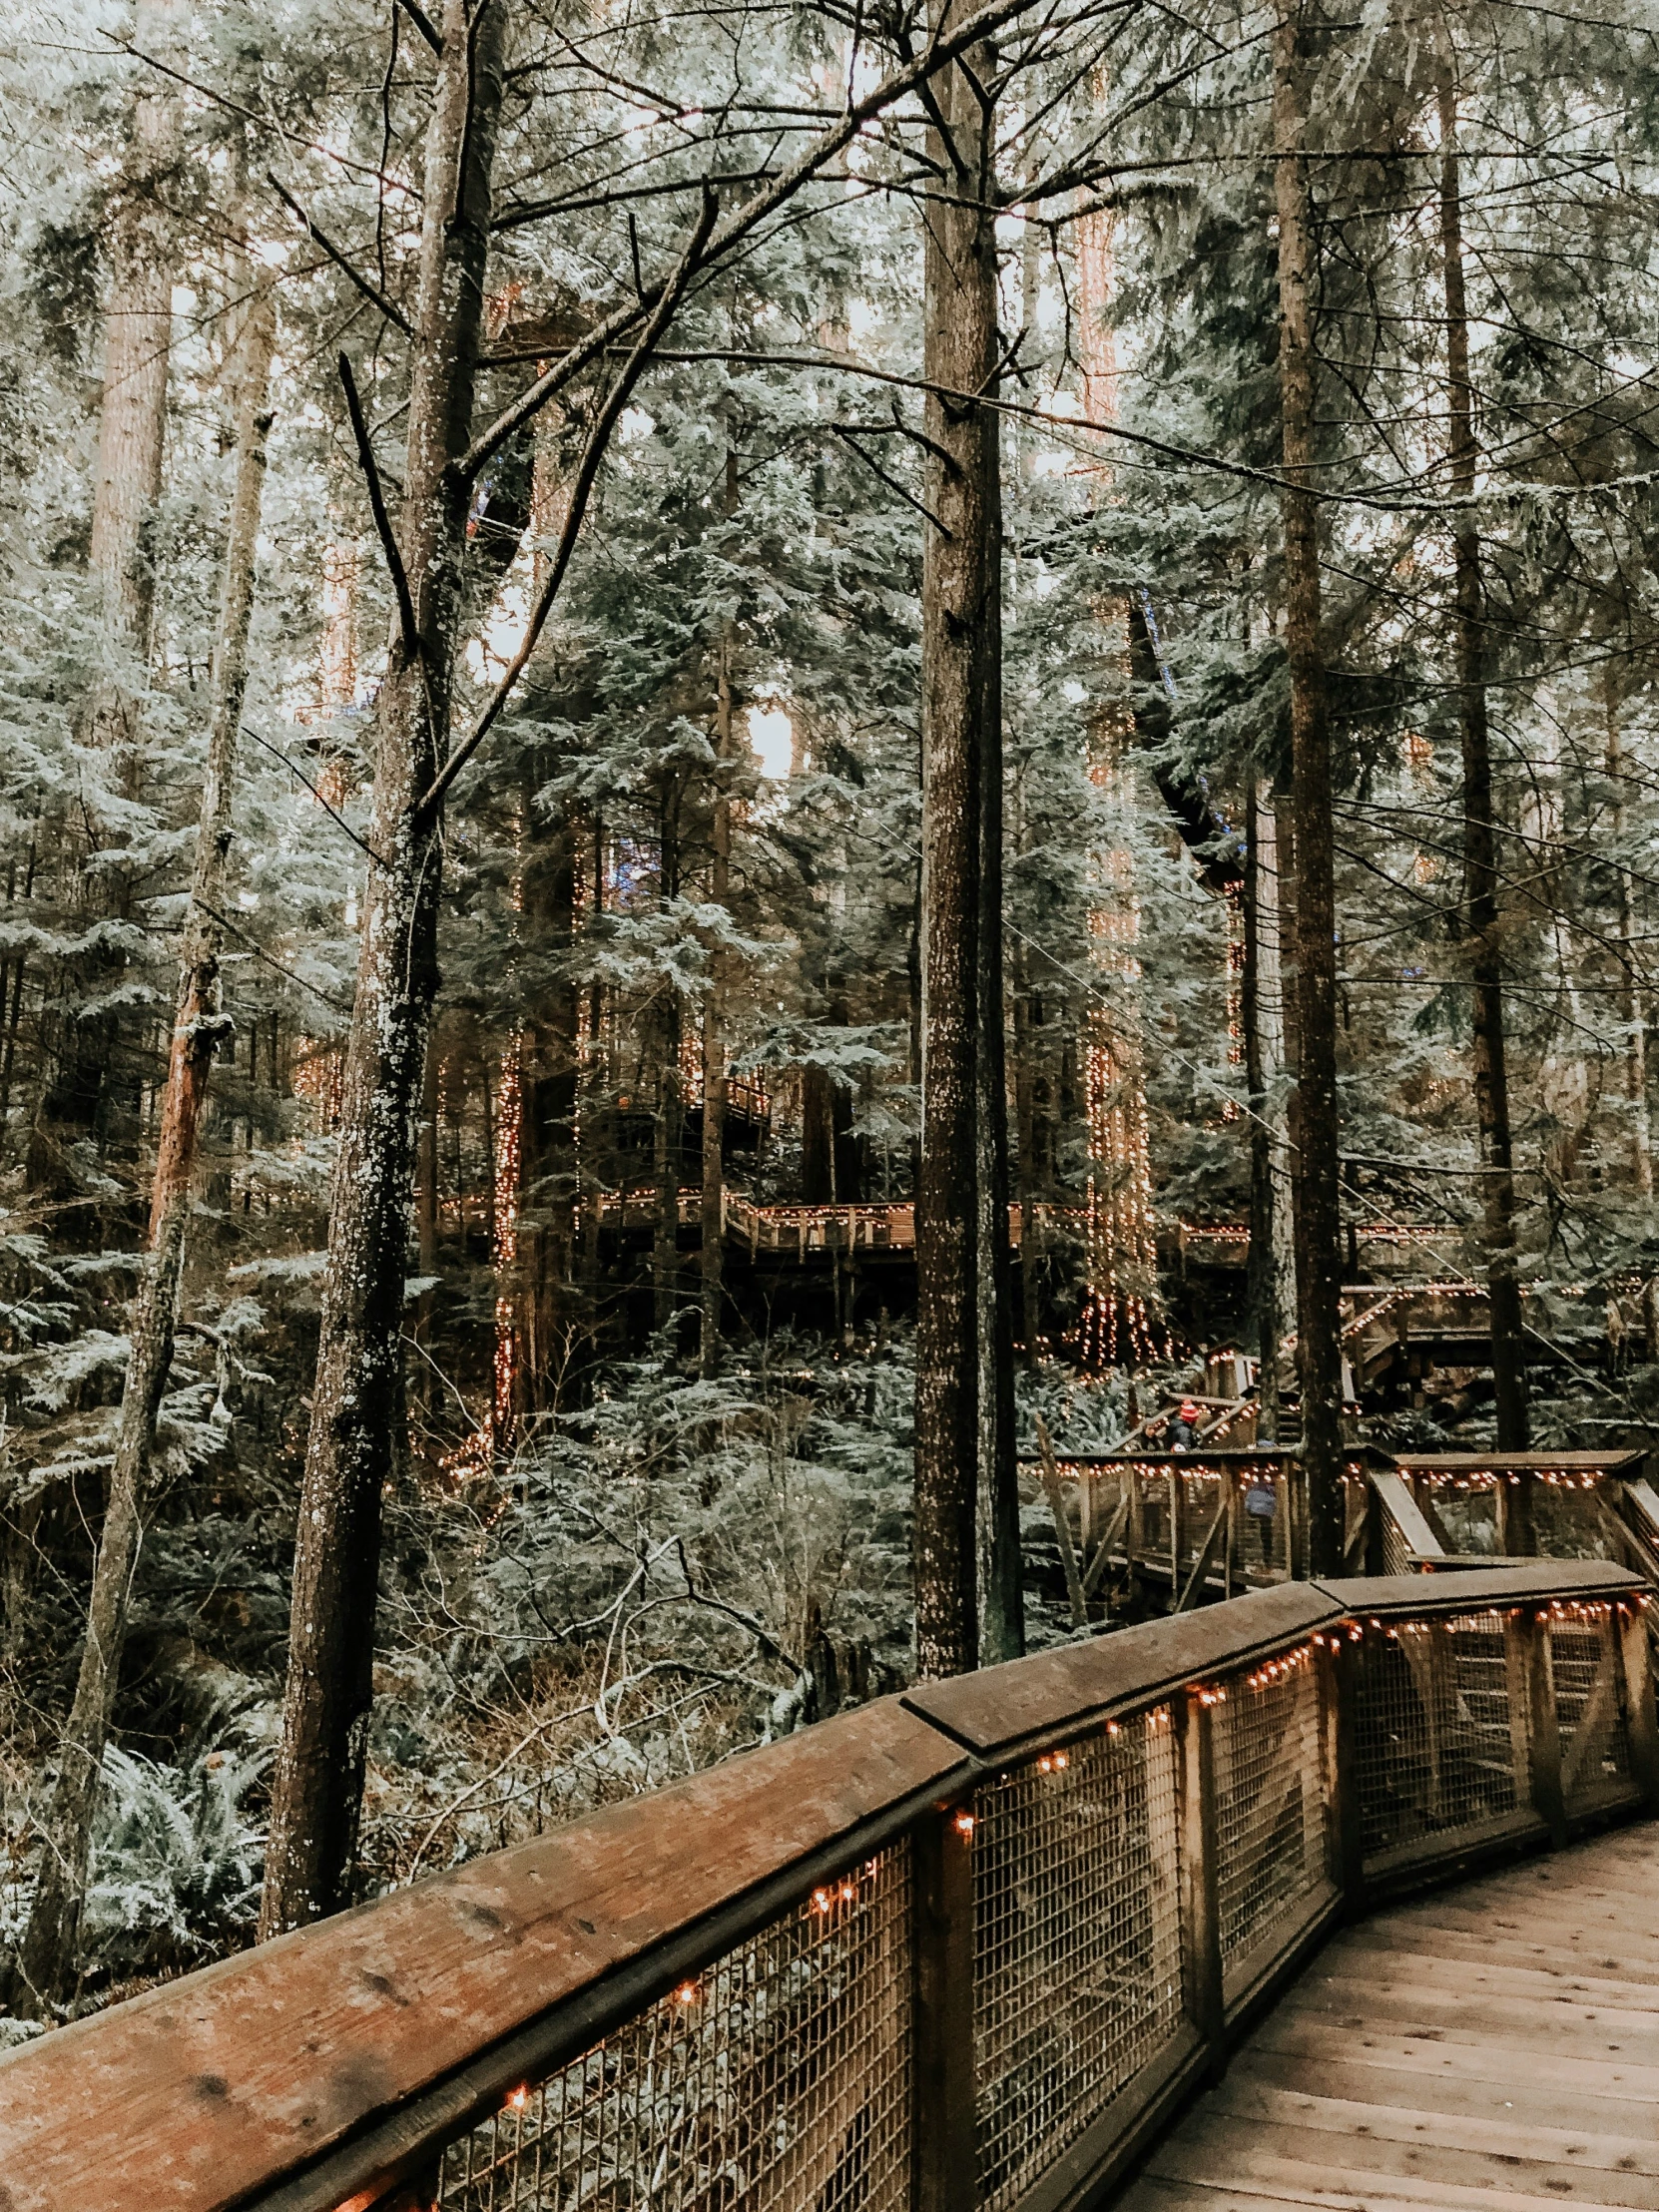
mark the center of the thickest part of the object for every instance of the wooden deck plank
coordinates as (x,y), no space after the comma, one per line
(1321,2182)
(1496,2046)
(1388,2088)
(1248,2096)
(1454,1948)
(1518,2023)
(1270,2147)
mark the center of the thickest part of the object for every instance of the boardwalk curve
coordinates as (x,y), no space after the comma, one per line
(1495,2044)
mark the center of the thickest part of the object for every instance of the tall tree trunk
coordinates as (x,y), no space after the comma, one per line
(546,1315)
(966,1567)
(13,1014)
(545,1291)
(46,1964)
(1632,1009)
(670,1131)
(357,1417)
(1025,1142)
(1262,1294)
(714,1032)
(131,429)
(1491,1083)
(1314,1126)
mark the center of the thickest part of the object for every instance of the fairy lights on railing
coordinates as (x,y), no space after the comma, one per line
(1273,1671)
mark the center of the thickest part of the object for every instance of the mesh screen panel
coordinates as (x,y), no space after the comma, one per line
(1077,1942)
(1436,1749)
(1585,1668)
(1397,1552)
(780,2077)
(1270,1810)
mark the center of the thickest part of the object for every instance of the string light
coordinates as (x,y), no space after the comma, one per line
(965,1823)
(1273,1671)
(1233,908)
(1118,1325)
(1053,1763)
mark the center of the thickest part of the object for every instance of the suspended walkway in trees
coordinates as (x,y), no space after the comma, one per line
(1144,1529)
(976,1948)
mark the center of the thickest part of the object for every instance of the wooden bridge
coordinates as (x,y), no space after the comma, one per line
(1148,1527)
(976,1948)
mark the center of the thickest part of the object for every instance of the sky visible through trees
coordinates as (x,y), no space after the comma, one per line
(711,714)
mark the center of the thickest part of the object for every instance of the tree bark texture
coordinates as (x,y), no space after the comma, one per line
(967,1572)
(47,1959)
(714,1032)
(1313,1130)
(358,1416)
(1481,872)
(127,481)
(137,336)
(1261,1292)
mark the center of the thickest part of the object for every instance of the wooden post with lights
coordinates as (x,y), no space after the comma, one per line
(1342,1664)
(1640,1717)
(1543,1734)
(1201,1972)
(943,2131)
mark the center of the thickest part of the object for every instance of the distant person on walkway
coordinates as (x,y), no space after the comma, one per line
(1183,1432)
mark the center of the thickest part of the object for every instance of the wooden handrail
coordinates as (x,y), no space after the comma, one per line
(325,2070)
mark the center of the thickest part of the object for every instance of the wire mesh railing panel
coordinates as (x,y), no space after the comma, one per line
(1270,1805)
(1203,1493)
(780,2077)
(1435,1742)
(1077,1942)
(1397,1551)
(1585,1669)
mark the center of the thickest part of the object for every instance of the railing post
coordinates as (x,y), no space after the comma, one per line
(941,1860)
(1340,1661)
(1642,1721)
(1200,1974)
(1530,1677)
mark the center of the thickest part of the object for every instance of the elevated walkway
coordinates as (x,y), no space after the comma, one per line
(969,1950)
(1495,2044)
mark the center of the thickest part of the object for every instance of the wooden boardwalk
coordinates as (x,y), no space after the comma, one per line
(1493,2046)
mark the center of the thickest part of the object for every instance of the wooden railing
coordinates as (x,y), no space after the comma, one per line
(800,1231)
(970,1947)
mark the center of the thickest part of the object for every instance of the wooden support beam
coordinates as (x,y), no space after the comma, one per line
(1062,1525)
(1201,1965)
(941,2067)
(1103,1550)
(1640,1715)
(1407,1515)
(1207,1551)
(1543,1734)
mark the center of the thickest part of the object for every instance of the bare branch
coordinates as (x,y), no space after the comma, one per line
(382,521)
(943,48)
(423,24)
(599,437)
(371,293)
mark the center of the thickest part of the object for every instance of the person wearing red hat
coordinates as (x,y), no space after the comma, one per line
(1184,1432)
